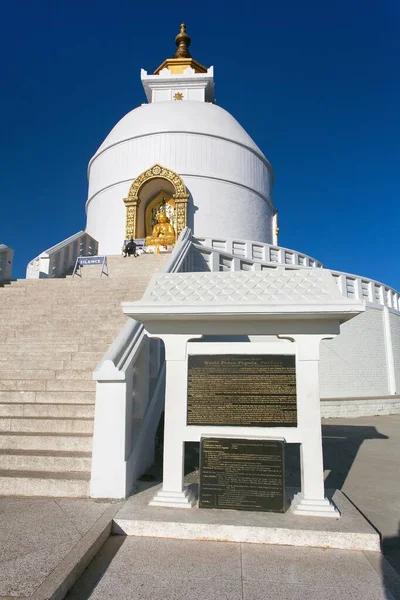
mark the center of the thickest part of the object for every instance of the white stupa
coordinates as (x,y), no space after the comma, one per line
(218,169)
(182,158)
(169,174)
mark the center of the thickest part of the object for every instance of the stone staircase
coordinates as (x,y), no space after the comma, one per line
(52,334)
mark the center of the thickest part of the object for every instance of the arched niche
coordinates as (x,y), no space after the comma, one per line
(148,189)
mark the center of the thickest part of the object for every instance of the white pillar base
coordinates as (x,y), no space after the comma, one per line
(313,508)
(184,499)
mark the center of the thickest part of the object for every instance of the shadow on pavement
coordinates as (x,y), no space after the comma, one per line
(90,578)
(341,444)
(391,552)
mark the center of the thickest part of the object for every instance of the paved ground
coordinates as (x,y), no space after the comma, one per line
(362,458)
(36,534)
(155,569)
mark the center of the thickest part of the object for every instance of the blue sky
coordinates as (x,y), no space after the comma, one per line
(315,84)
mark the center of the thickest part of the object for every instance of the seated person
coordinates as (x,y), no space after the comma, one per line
(129,248)
(163,233)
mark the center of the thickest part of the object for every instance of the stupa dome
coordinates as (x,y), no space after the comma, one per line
(202,118)
(225,180)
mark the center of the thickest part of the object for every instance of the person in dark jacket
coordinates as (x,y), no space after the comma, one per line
(129,248)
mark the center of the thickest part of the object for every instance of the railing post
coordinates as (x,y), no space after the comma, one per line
(390,366)
(214,261)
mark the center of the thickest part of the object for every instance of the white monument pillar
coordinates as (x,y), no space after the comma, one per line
(311,500)
(172,492)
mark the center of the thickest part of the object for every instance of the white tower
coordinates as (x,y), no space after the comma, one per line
(186,153)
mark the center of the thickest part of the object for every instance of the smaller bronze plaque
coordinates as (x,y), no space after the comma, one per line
(242,474)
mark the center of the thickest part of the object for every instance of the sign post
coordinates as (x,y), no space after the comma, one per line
(84,261)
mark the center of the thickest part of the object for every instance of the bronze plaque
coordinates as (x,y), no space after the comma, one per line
(242,474)
(242,390)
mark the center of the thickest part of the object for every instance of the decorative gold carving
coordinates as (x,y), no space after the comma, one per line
(132,201)
(181,214)
(131,217)
(178,96)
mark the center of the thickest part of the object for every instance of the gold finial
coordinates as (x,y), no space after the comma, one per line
(182,40)
(182,59)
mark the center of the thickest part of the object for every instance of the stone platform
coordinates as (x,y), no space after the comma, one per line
(351,532)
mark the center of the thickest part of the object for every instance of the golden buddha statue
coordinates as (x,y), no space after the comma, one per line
(163,233)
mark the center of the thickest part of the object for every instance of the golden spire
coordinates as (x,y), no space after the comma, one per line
(182,58)
(182,40)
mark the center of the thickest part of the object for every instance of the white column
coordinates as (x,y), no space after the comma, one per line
(172,492)
(108,474)
(390,369)
(311,500)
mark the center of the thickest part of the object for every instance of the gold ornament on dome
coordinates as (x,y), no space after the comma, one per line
(182,58)
(182,40)
(178,96)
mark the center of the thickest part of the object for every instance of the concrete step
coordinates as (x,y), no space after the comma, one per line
(35,346)
(31,364)
(80,291)
(53,333)
(49,330)
(47,397)
(20,374)
(25,355)
(45,425)
(58,354)
(34,409)
(36,460)
(51,389)
(43,363)
(64,337)
(45,374)
(31,483)
(81,442)
(75,374)
(67,385)
(97,313)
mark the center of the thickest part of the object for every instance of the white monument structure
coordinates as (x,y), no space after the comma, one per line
(182,176)
(283,313)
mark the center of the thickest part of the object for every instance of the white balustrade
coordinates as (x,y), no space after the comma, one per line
(6,261)
(58,260)
(210,254)
(258,251)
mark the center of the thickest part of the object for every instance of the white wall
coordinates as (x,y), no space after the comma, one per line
(6,261)
(394,319)
(354,363)
(230,186)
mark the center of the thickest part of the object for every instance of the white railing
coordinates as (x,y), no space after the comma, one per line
(257,251)
(6,261)
(129,400)
(361,288)
(58,260)
(211,258)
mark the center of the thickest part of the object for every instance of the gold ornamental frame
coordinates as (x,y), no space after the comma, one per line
(132,201)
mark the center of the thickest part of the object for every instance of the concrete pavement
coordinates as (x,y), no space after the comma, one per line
(40,537)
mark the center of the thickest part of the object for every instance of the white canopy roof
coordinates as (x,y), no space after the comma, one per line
(275,293)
